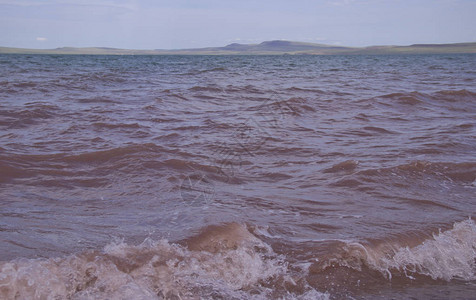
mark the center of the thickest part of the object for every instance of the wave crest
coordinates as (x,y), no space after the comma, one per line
(224,261)
(445,256)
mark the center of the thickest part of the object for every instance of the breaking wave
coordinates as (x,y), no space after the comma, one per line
(223,262)
(233,261)
(443,256)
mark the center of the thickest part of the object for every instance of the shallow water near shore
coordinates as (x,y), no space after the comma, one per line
(237,177)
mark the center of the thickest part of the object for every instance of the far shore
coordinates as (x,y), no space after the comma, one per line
(265,48)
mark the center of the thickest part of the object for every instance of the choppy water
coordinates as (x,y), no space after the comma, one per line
(257,177)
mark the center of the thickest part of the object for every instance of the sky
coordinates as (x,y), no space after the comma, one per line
(179,24)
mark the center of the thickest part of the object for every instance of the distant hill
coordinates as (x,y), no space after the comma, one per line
(265,48)
(278,47)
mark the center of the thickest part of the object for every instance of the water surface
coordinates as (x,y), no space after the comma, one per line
(256,177)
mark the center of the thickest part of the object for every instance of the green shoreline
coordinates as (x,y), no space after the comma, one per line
(265,48)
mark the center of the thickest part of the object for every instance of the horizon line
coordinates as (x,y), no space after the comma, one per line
(236,43)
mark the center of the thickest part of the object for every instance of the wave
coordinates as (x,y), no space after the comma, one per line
(102,125)
(453,99)
(459,172)
(345,166)
(93,156)
(281,108)
(455,95)
(95,168)
(202,71)
(25,85)
(208,88)
(411,98)
(96,100)
(405,179)
(378,130)
(31,114)
(249,89)
(309,90)
(60,165)
(224,261)
(98,77)
(447,255)
(237,261)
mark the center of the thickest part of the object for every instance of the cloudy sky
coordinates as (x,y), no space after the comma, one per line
(172,24)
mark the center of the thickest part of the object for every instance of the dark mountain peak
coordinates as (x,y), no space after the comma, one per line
(236,47)
(283,46)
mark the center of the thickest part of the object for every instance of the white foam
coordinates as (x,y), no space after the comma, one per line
(152,270)
(448,255)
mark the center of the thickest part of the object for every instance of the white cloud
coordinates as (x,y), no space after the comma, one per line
(41,39)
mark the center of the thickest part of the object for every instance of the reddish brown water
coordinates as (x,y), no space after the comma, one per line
(257,177)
